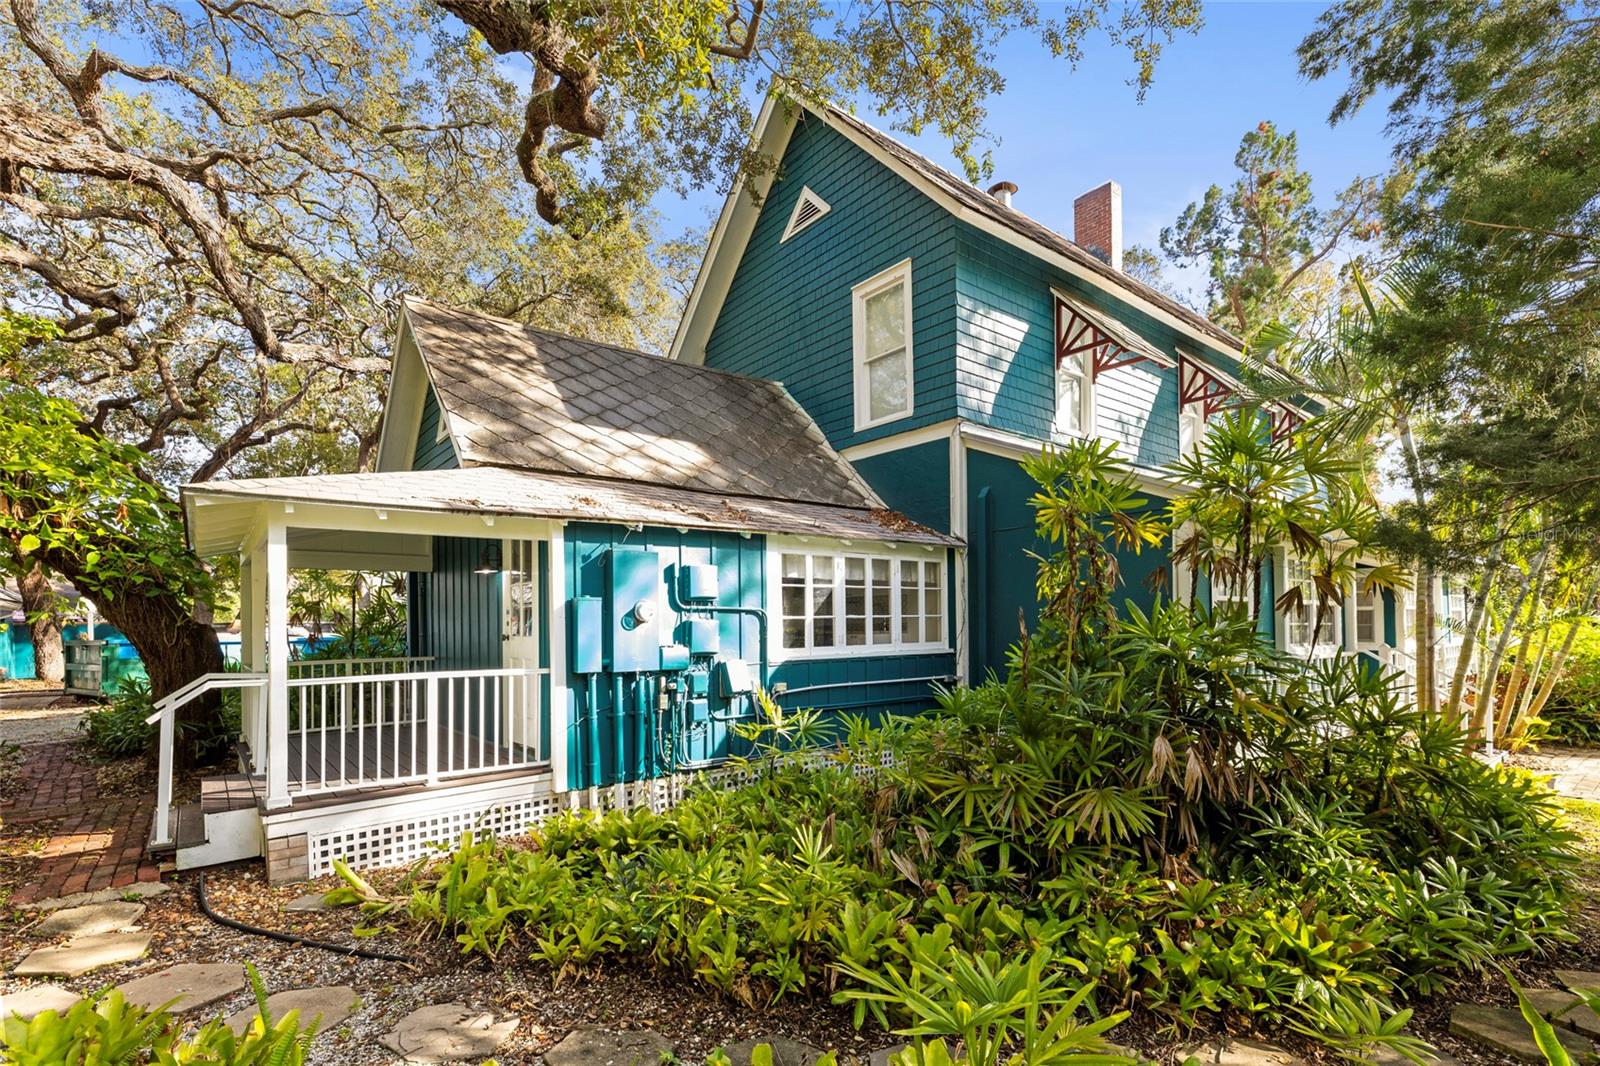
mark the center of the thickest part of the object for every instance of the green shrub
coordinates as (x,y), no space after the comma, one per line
(104,1030)
(1572,715)
(117,729)
(1156,812)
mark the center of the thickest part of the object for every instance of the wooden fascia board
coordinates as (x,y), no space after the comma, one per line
(731,235)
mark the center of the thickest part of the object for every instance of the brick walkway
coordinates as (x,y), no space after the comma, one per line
(94,841)
(1576,770)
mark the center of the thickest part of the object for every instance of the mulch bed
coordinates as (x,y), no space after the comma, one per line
(79,825)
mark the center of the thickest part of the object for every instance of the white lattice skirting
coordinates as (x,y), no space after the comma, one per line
(401,842)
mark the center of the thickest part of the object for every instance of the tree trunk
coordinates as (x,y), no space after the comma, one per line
(1519,669)
(1485,714)
(1554,674)
(44,625)
(1423,637)
(1480,606)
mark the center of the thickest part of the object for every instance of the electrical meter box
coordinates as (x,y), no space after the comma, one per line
(698,582)
(733,678)
(674,658)
(587,639)
(633,593)
(703,635)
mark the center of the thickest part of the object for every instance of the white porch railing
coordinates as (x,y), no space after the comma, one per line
(396,664)
(365,730)
(165,709)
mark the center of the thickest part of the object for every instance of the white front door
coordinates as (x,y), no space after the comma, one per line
(519,695)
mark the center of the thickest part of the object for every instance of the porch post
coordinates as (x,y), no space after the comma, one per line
(252,656)
(277,580)
(560,707)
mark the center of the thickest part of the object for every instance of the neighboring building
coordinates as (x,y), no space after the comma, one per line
(610,553)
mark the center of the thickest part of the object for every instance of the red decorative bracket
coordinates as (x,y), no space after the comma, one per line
(1285,423)
(1077,332)
(1197,384)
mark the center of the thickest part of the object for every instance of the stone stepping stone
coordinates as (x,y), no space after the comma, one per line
(785,1052)
(334,1003)
(1565,1010)
(311,901)
(1576,979)
(883,1055)
(1241,1053)
(191,984)
(589,1045)
(91,919)
(1390,1057)
(447,1032)
(1502,1030)
(134,892)
(83,954)
(34,1001)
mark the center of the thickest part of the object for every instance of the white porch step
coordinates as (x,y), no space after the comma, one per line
(212,832)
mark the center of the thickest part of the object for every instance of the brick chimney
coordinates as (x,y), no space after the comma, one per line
(1097,222)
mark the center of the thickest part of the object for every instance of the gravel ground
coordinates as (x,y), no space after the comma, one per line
(33,726)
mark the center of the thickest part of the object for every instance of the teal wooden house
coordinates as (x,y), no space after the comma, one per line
(610,553)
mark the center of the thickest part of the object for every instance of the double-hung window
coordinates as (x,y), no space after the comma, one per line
(884,389)
(1074,396)
(1230,589)
(1366,612)
(1301,617)
(844,602)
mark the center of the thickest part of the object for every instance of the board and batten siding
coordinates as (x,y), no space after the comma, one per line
(787,315)
(432,453)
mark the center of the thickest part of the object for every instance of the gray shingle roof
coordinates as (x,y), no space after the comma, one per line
(972,197)
(500,491)
(520,397)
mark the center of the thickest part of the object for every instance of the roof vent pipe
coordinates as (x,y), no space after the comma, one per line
(1003,191)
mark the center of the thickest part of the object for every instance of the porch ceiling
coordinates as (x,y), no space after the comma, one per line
(221,515)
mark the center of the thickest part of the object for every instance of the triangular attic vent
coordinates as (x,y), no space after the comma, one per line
(807,209)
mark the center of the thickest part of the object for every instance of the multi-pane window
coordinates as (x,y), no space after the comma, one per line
(522,590)
(882,323)
(846,601)
(1366,615)
(1301,618)
(1073,410)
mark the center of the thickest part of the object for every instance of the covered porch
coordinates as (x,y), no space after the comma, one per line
(471,699)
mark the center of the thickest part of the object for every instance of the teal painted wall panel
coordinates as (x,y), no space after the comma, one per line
(1000,573)
(875,686)
(1391,627)
(787,315)
(455,613)
(1006,353)
(431,452)
(914,481)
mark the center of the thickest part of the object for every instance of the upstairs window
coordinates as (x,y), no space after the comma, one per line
(882,325)
(1074,395)
(1366,616)
(838,603)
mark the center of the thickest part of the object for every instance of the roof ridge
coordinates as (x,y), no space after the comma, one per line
(1142,289)
(619,348)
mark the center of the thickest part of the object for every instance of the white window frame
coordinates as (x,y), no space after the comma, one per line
(1241,595)
(898,558)
(1376,606)
(790,229)
(1086,405)
(1327,646)
(1192,426)
(899,274)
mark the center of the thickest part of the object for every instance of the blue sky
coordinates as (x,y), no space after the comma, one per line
(1061,131)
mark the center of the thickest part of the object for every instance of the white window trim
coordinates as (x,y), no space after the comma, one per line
(1326,649)
(790,229)
(900,273)
(777,653)
(1192,424)
(1353,622)
(1086,404)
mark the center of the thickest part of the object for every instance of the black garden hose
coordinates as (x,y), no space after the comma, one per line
(287,938)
